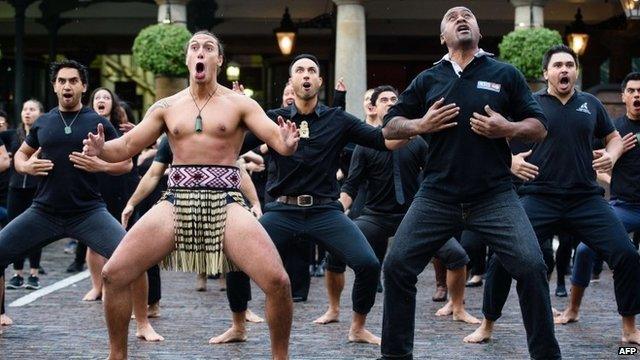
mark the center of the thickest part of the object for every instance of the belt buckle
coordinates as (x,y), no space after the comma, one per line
(304,200)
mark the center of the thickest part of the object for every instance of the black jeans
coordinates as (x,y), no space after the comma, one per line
(589,218)
(328,225)
(502,223)
(36,228)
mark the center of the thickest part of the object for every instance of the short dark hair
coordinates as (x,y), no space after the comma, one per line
(304,56)
(57,65)
(630,77)
(208,33)
(379,90)
(555,50)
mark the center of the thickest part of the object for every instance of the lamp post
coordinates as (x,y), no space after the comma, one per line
(577,35)
(631,9)
(286,33)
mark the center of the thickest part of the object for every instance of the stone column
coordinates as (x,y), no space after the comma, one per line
(351,53)
(529,13)
(176,8)
(20,7)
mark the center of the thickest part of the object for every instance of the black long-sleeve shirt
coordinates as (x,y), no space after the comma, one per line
(377,167)
(311,170)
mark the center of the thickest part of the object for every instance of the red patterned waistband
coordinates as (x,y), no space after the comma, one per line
(204,177)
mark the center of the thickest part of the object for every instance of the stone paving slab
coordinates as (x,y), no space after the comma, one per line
(60,326)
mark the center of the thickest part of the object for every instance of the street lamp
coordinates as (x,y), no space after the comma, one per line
(577,35)
(631,9)
(286,33)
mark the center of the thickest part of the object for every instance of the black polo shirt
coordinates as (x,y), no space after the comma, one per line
(461,165)
(625,178)
(377,168)
(311,170)
(66,189)
(565,156)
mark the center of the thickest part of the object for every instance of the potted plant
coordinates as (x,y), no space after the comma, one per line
(160,49)
(524,48)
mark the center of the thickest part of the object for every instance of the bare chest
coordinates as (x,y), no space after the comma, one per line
(217,120)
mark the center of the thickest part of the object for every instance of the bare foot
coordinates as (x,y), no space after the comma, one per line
(250,316)
(566,317)
(234,334)
(363,336)
(5,320)
(464,316)
(446,310)
(631,337)
(481,335)
(147,333)
(201,282)
(92,295)
(555,312)
(330,316)
(153,311)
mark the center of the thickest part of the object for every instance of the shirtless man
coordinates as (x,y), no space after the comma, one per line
(205,124)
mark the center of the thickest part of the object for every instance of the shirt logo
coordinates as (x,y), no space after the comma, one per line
(584,108)
(486,85)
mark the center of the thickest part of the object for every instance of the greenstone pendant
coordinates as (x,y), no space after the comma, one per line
(198,124)
(67,130)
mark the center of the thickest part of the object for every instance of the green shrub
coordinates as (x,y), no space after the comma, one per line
(160,49)
(524,49)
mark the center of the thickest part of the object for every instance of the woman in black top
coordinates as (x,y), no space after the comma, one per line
(115,189)
(22,189)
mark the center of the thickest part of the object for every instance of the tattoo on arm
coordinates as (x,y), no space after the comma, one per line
(161,104)
(398,128)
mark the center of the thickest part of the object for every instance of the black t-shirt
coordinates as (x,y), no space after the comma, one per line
(565,156)
(4,183)
(463,166)
(66,189)
(625,178)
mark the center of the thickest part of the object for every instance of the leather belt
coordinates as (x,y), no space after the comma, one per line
(304,200)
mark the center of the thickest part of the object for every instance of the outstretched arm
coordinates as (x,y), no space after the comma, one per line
(131,143)
(283,137)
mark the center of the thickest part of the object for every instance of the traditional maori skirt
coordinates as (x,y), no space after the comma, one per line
(199,195)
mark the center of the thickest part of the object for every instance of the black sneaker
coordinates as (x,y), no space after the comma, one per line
(41,271)
(33,283)
(75,267)
(16,282)
(561,290)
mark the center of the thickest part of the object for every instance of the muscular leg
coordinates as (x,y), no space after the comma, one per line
(334,281)
(136,253)
(95,263)
(247,244)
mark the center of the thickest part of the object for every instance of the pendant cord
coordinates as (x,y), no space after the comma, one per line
(72,121)
(205,103)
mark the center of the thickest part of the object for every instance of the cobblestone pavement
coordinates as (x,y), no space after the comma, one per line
(60,326)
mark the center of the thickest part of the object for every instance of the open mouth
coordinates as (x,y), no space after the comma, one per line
(564,80)
(101,107)
(67,96)
(463,28)
(636,103)
(306,85)
(199,70)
